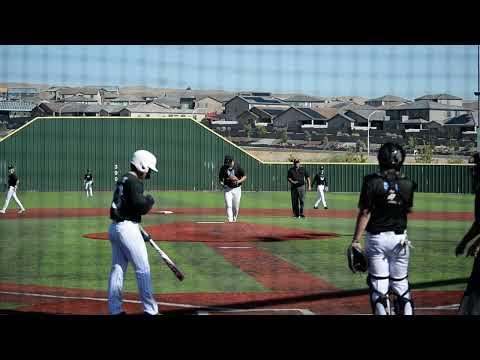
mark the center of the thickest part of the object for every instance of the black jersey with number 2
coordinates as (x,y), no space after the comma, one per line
(129,203)
(388,201)
(12,180)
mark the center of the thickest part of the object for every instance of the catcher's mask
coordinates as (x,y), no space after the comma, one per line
(357,260)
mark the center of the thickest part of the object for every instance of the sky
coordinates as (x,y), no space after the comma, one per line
(317,70)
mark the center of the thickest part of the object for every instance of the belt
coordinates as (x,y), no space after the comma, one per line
(397,232)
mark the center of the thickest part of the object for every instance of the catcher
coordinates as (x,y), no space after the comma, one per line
(470,304)
(231,177)
(385,200)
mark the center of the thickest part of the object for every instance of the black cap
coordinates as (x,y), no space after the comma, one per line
(228,159)
(295,161)
(10,167)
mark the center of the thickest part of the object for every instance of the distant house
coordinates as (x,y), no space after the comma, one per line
(445,99)
(65,93)
(111,110)
(239,104)
(298,119)
(260,116)
(80,99)
(73,109)
(143,110)
(464,123)
(425,110)
(340,122)
(212,104)
(306,101)
(10,110)
(386,101)
(21,93)
(48,109)
(254,93)
(127,100)
(171,102)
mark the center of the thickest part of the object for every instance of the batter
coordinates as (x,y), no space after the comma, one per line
(13,182)
(385,200)
(128,206)
(88,181)
(231,177)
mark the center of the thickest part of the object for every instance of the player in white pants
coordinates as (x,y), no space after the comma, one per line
(385,201)
(322,186)
(88,181)
(231,178)
(128,206)
(13,182)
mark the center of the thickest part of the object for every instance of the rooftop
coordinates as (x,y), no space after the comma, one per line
(438,97)
(425,104)
(16,106)
(389,98)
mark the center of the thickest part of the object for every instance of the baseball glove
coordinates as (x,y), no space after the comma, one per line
(357,260)
(232,179)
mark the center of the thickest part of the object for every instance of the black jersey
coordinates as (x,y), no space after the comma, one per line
(320,179)
(12,179)
(299,175)
(225,172)
(129,203)
(389,200)
(88,177)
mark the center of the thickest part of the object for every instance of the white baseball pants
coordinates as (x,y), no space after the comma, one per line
(232,202)
(128,246)
(321,196)
(388,260)
(88,188)
(12,192)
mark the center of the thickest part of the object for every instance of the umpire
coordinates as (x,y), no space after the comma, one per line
(470,304)
(297,176)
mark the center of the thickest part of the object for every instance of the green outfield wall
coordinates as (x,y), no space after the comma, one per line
(53,153)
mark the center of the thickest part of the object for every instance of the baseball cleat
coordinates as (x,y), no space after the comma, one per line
(2,211)
(315,207)
(21,211)
(326,207)
(302,216)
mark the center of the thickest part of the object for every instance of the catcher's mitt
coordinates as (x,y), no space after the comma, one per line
(357,260)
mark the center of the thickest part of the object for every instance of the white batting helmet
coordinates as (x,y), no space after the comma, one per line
(144,160)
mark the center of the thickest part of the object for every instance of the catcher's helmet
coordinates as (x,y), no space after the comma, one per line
(144,161)
(391,156)
(357,260)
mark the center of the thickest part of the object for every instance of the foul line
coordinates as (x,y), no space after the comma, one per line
(189,306)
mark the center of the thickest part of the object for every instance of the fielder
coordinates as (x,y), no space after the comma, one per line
(470,304)
(13,182)
(88,181)
(385,201)
(322,187)
(128,206)
(231,177)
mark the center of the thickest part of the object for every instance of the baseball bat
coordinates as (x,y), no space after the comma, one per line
(172,266)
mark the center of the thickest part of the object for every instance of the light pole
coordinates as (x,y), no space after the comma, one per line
(368,132)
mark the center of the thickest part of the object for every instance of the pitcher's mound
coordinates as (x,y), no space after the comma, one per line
(224,232)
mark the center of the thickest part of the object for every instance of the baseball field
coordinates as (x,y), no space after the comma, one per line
(55,258)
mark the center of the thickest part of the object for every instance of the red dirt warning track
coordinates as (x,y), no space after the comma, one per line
(347,214)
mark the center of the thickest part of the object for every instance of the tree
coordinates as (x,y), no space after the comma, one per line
(284,136)
(412,143)
(262,131)
(308,136)
(425,155)
(248,130)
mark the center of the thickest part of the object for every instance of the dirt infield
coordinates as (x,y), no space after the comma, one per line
(347,214)
(223,232)
(49,300)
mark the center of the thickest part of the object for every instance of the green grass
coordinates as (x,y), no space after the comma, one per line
(9,305)
(52,252)
(279,200)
